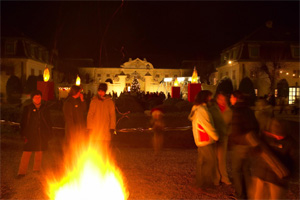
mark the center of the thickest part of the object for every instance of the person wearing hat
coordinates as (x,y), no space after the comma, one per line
(36,130)
(74,110)
(101,118)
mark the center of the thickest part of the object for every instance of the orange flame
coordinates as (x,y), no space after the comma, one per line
(92,175)
(46,75)
(78,80)
(194,76)
(176,82)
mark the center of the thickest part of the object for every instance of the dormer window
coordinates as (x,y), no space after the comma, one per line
(10,48)
(254,51)
(295,52)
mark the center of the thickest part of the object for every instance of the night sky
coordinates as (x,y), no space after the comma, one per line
(170,29)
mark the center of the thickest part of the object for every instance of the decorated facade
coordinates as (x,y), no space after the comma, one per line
(134,74)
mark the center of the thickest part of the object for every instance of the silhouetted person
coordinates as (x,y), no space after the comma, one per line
(36,130)
(74,110)
(243,123)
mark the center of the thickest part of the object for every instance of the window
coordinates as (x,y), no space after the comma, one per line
(32,51)
(295,52)
(107,75)
(234,54)
(10,48)
(293,93)
(98,75)
(233,75)
(157,76)
(254,51)
(167,75)
(255,90)
(32,72)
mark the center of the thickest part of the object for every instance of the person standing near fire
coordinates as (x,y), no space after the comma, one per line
(221,114)
(205,136)
(101,118)
(74,110)
(36,130)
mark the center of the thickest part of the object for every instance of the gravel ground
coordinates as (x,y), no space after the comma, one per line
(168,175)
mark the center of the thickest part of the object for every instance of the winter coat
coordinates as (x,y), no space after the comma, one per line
(221,119)
(101,118)
(203,126)
(243,122)
(36,127)
(75,117)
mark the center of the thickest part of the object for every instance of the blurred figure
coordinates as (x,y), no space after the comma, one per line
(243,123)
(263,114)
(296,106)
(282,105)
(267,181)
(36,130)
(205,136)
(158,126)
(221,114)
(272,101)
(74,110)
(101,118)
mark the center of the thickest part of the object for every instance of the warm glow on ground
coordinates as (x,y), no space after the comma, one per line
(92,176)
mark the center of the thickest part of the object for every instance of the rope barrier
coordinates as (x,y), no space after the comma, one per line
(123,130)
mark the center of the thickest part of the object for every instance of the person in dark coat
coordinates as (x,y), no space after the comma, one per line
(243,123)
(36,130)
(74,110)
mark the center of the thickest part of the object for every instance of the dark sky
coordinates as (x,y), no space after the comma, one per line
(179,29)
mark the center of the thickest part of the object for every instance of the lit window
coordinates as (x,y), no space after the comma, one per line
(293,93)
(276,93)
(255,92)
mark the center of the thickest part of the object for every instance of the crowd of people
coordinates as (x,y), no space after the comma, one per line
(261,152)
(263,156)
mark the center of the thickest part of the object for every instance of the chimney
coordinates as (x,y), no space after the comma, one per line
(269,24)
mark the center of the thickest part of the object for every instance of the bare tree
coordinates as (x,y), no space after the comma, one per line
(271,62)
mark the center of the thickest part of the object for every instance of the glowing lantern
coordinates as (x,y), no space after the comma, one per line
(176,82)
(194,76)
(78,80)
(46,75)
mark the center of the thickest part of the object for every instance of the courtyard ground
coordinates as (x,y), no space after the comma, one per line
(167,175)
